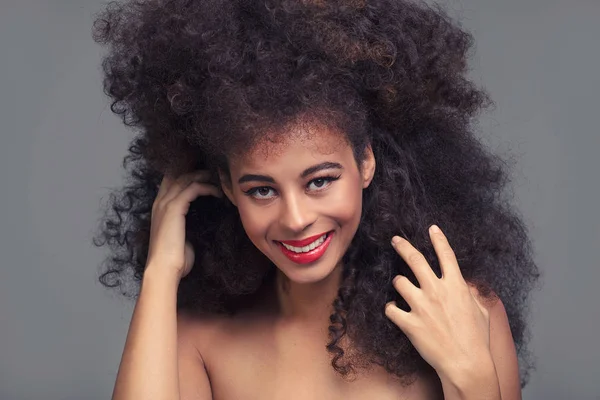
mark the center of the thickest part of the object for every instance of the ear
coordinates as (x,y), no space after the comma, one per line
(368,167)
(226,186)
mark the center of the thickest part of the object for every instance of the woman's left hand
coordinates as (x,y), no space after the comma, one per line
(446,323)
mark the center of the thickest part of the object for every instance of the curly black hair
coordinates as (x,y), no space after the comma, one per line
(200,81)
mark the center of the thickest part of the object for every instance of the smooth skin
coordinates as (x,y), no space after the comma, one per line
(157,349)
(447,321)
(451,329)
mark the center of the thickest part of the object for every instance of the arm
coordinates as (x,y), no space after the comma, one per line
(461,335)
(493,377)
(158,355)
(193,377)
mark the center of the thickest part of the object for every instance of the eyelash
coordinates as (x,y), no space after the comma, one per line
(328,180)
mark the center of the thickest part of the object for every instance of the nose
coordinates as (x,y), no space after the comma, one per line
(296,214)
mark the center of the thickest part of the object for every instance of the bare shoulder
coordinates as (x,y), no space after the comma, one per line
(193,335)
(489,300)
(190,322)
(502,345)
(196,330)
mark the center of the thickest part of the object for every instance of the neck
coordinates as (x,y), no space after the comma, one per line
(307,302)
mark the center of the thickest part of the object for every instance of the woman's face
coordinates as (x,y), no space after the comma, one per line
(300,200)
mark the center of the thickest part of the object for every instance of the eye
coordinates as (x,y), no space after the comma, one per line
(260,193)
(322,182)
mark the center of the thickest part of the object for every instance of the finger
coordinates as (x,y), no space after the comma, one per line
(195,176)
(202,175)
(416,261)
(164,185)
(399,317)
(196,189)
(446,256)
(183,181)
(406,289)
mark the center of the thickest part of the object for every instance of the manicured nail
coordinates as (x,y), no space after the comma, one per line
(435,229)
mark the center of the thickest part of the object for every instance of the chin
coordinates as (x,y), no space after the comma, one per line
(307,274)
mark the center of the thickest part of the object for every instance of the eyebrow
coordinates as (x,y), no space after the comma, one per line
(308,171)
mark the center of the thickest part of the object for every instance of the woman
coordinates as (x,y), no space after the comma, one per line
(291,159)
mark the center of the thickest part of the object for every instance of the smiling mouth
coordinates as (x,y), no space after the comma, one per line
(313,250)
(305,245)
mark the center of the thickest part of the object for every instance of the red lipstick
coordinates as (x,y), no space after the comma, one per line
(309,256)
(303,242)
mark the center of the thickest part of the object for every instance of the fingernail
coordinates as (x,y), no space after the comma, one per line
(434,229)
(396,239)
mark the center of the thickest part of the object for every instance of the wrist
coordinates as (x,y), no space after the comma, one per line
(471,380)
(156,274)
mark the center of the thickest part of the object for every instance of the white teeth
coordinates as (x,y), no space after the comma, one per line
(305,249)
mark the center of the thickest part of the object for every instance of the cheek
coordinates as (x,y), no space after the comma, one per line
(255,223)
(347,204)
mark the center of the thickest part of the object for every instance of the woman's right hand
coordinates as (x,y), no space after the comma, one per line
(168,248)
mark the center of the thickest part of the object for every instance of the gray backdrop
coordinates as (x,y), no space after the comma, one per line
(61,333)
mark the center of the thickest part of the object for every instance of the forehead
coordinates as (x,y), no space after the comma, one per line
(295,143)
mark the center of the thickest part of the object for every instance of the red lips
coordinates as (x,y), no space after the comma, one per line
(303,242)
(309,256)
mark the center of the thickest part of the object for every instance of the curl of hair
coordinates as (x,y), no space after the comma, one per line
(202,80)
